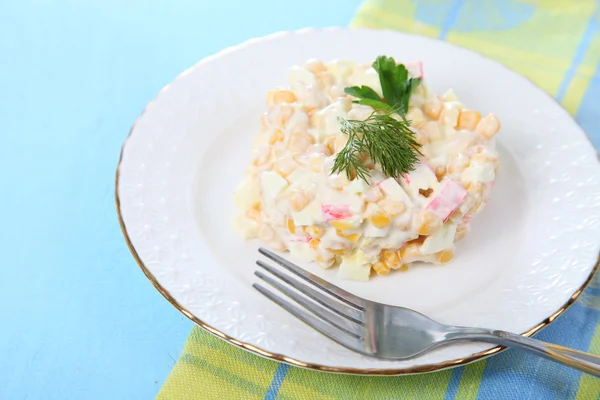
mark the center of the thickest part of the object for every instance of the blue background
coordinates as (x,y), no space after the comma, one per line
(79,319)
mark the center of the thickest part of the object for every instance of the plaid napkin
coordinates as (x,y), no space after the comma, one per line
(557,45)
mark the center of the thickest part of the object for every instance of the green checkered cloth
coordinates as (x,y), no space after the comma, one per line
(557,45)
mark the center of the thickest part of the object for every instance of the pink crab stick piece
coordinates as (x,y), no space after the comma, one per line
(449,196)
(301,239)
(415,68)
(406,178)
(332,212)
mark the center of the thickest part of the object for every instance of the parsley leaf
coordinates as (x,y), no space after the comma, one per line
(364,92)
(368,97)
(395,84)
(392,78)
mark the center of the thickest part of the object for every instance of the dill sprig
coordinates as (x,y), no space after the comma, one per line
(385,140)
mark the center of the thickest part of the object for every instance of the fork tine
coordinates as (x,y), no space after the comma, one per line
(339,308)
(332,319)
(322,284)
(332,333)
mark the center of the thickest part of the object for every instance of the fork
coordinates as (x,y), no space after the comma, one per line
(388,332)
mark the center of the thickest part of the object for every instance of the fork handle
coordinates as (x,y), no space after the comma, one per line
(585,362)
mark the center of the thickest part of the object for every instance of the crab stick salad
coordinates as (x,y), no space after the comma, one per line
(296,197)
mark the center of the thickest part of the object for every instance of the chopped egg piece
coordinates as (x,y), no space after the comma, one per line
(301,75)
(442,239)
(393,189)
(247,228)
(355,266)
(310,215)
(368,77)
(272,183)
(479,173)
(302,251)
(247,195)
(419,181)
(357,186)
(375,232)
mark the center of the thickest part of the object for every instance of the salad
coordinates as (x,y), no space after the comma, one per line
(361,167)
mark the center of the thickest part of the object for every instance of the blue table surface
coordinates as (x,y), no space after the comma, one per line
(79,319)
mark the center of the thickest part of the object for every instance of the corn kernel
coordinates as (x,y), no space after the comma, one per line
(381,268)
(339,252)
(380,220)
(280,96)
(314,243)
(352,237)
(315,231)
(427,223)
(468,120)
(291,227)
(445,256)
(403,267)
(433,108)
(488,126)
(341,225)
(285,113)
(330,144)
(309,110)
(418,241)
(277,136)
(391,258)
(285,166)
(314,66)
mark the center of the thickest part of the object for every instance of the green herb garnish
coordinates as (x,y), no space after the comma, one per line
(387,141)
(368,97)
(395,85)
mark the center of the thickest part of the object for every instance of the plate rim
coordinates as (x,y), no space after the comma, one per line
(290,360)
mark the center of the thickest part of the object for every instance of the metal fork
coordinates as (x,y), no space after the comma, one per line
(384,331)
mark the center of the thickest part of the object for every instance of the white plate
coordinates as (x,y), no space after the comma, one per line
(530,253)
